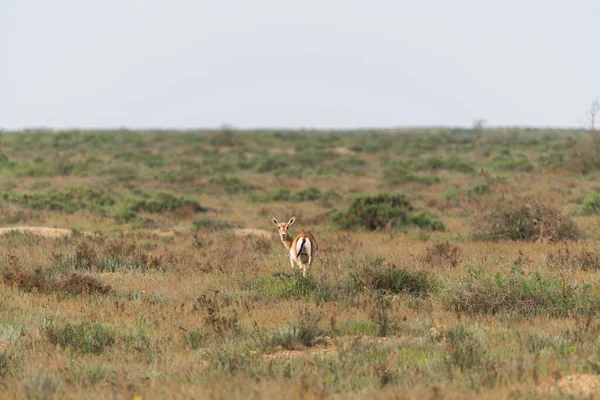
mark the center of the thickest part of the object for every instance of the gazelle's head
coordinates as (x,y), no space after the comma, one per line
(283,227)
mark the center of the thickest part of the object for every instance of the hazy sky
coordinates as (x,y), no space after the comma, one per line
(301,63)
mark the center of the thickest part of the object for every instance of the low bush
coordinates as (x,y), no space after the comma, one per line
(451,197)
(525,219)
(373,274)
(518,162)
(156,203)
(311,193)
(118,255)
(66,200)
(212,309)
(582,259)
(591,204)
(82,284)
(38,281)
(516,292)
(398,174)
(231,184)
(478,190)
(439,255)
(453,163)
(385,211)
(81,336)
(467,347)
(270,164)
(281,287)
(305,332)
(162,202)
(279,194)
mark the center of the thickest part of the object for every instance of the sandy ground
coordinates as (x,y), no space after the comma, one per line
(40,231)
(578,385)
(252,232)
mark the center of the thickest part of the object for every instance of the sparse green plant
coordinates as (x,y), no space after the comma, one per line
(303,333)
(591,204)
(282,286)
(193,339)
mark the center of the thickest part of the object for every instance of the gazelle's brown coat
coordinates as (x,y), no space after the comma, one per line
(302,249)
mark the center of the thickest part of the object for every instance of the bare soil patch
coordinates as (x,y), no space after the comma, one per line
(252,232)
(40,231)
(578,385)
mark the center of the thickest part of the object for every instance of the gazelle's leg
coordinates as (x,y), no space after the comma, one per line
(292,263)
(304,269)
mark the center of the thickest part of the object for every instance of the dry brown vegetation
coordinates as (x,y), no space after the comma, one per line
(452,264)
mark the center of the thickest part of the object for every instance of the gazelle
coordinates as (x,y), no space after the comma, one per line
(302,248)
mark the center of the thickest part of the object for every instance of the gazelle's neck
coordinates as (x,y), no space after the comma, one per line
(286,240)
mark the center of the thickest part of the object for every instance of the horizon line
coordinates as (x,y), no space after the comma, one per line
(225,127)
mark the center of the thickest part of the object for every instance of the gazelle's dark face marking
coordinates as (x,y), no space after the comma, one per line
(283,227)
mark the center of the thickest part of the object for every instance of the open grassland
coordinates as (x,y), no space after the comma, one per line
(452,264)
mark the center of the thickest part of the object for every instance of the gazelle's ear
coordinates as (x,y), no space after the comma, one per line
(275,221)
(291,221)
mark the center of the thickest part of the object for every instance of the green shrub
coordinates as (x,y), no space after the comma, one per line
(398,173)
(149,159)
(279,194)
(179,176)
(451,196)
(455,163)
(270,164)
(231,184)
(5,161)
(508,162)
(66,200)
(309,194)
(591,204)
(433,163)
(425,220)
(82,336)
(383,210)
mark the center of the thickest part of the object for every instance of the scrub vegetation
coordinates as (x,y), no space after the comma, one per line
(453,263)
